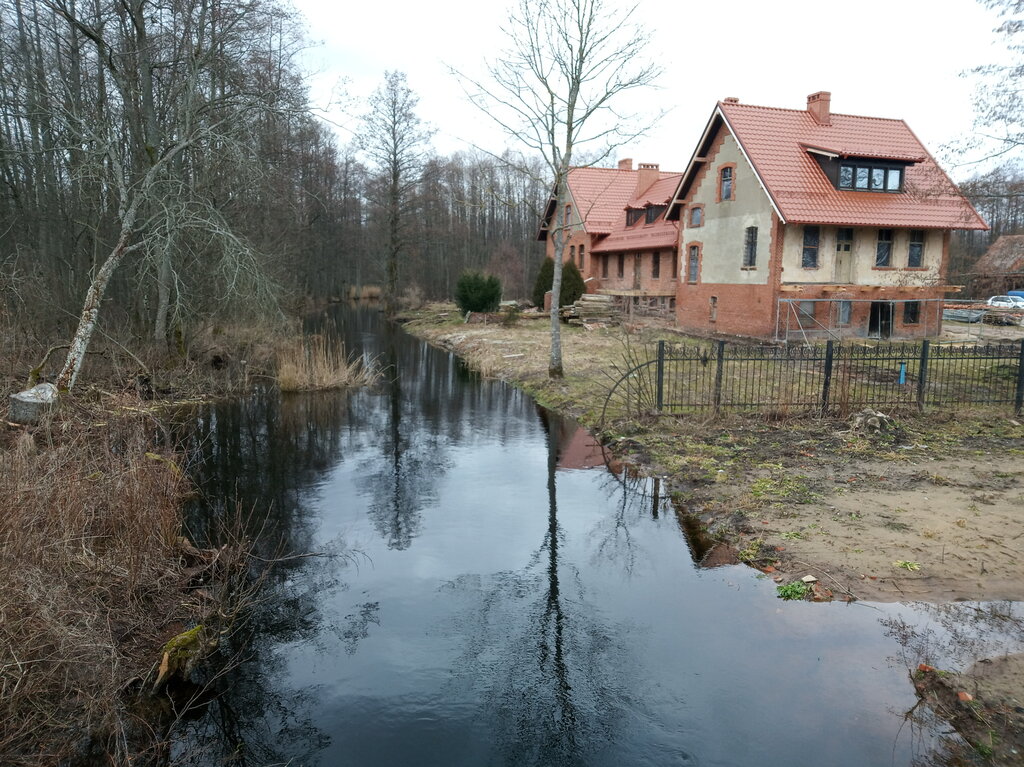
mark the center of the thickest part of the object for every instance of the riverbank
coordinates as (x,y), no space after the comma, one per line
(99,573)
(928,510)
(97,578)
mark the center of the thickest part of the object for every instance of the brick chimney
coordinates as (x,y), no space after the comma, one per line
(818,105)
(647,174)
(626,164)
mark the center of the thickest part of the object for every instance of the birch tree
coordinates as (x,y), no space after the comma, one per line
(160,132)
(555,90)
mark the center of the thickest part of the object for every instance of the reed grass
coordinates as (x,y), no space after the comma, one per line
(91,572)
(318,363)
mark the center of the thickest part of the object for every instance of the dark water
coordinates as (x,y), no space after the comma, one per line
(484,599)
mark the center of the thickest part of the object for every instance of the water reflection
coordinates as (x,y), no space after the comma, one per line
(546,666)
(484,599)
(401,479)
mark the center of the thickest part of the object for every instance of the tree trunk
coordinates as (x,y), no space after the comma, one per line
(555,369)
(90,311)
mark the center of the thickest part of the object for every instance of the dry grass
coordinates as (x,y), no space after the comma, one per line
(92,576)
(317,363)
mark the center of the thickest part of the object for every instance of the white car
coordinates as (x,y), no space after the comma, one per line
(1007,302)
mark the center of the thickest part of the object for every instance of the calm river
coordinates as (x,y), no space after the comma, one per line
(491,593)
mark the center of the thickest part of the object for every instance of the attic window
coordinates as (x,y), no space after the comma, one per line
(652,213)
(633,215)
(870,176)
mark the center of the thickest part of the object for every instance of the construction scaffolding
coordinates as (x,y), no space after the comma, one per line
(806,320)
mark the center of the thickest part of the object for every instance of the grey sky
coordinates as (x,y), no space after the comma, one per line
(887,58)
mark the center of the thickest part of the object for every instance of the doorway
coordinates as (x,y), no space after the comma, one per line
(880,321)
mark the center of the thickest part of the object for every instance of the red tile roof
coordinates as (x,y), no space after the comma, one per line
(776,142)
(601,196)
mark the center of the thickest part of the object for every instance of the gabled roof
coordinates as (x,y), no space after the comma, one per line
(1004,256)
(781,144)
(600,197)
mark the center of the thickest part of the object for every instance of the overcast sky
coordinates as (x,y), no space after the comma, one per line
(886,58)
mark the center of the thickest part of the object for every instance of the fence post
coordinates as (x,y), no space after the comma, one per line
(1019,399)
(826,385)
(719,364)
(922,374)
(661,375)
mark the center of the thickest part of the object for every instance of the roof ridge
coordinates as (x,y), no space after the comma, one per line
(623,170)
(734,104)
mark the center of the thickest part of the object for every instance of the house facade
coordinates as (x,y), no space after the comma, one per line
(808,224)
(617,234)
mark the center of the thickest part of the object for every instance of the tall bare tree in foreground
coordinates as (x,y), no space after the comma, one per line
(553,91)
(396,142)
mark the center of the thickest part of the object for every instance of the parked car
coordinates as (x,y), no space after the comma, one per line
(1007,302)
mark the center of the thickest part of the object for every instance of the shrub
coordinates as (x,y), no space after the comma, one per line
(477,292)
(572,283)
(543,282)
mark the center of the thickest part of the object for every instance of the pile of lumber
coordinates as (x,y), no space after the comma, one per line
(974,311)
(593,308)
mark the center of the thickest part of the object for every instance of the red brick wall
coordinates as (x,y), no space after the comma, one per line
(741,310)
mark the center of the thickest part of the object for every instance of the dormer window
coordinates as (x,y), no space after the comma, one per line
(869,176)
(633,215)
(652,213)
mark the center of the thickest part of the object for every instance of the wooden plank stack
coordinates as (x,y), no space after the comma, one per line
(592,309)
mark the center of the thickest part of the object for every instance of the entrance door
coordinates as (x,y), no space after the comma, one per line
(844,267)
(880,321)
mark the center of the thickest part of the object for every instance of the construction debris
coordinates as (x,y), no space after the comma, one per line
(592,308)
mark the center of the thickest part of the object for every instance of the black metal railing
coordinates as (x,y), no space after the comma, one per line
(834,378)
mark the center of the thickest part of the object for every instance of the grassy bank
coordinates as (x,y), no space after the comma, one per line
(94,582)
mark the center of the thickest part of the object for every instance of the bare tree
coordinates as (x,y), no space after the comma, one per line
(999,118)
(396,142)
(553,91)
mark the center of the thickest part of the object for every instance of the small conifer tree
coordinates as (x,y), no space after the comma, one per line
(572,283)
(476,292)
(543,282)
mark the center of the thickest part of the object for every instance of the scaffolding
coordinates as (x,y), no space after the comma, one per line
(806,320)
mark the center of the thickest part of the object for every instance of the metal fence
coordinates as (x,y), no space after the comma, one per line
(832,378)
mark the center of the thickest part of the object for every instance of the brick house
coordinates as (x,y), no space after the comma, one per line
(800,223)
(617,232)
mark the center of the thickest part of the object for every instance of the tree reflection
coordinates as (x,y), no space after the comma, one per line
(402,479)
(952,635)
(552,675)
